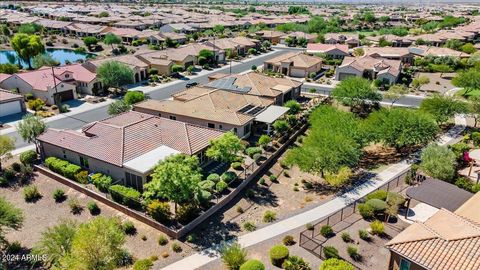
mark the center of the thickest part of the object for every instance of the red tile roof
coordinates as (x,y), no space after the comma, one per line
(124,137)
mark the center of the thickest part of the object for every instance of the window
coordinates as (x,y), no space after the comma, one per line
(134,181)
(210,125)
(64,154)
(246,129)
(404,264)
(220,127)
(173,117)
(66,76)
(235,130)
(84,162)
(159,114)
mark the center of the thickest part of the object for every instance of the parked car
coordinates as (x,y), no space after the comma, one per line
(191,84)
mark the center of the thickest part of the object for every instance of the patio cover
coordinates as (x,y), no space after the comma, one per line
(271,114)
(439,194)
(147,161)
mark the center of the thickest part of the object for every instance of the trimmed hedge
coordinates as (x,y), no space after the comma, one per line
(377,205)
(278,254)
(206,185)
(102,182)
(213,177)
(252,265)
(127,196)
(62,167)
(28,157)
(252,151)
(228,177)
(160,211)
(330,252)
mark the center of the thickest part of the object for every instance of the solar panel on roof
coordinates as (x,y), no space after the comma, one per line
(246,108)
(228,84)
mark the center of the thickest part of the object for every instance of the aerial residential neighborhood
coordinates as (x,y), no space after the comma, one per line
(255,135)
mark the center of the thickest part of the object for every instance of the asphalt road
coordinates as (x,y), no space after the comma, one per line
(77,121)
(406,101)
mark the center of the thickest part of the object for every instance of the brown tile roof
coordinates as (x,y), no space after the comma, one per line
(262,85)
(207,104)
(370,63)
(124,137)
(446,241)
(6,96)
(299,59)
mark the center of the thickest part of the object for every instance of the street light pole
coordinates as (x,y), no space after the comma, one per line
(55,98)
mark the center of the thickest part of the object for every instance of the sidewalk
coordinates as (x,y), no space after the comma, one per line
(204,257)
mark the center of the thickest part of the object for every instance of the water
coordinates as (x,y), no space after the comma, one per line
(61,55)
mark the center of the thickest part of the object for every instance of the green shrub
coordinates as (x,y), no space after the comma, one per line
(93,208)
(309,226)
(363,234)
(9,174)
(249,226)
(206,185)
(71,170)
(269,216)
(377,205)
(264,140)
(233,256)
(3,181)
(213,177)
(295,263)
(353,253)
(59,195)
(56,164)
(28,96)
(191,238)
(336,264)
(129,228)
(162,240)
(221,186)
(31,193)
(35,104)
(160,211)
(261,181)
(252,265)
(326,231)
(144,264)
(377,227)
(14,247)
(176,247)
(82,177)
(475,138)
(16,166)
(203,196)
(237,166)
(228,177)
(28,157)
(250,151)
(273,178)
(365,210)
(395,198)
(186,213)
(330,252)
(75,206)
(288,240)
(257,157)
(346,237)
(278,254)
(464,183)
(102,182)
(125,195)
(132,97)
(476,188)
(379,194)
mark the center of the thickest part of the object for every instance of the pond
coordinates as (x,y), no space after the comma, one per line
(61,55)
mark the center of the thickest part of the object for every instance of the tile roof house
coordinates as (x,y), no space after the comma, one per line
(44,83)
(352,40)
(280,90)
(270,35)
(126,146)
(405,55)
(369,67)
(337,51)
(294,64)
(213,108)
(138,66)
(10,103)
(445,241)
(297,35)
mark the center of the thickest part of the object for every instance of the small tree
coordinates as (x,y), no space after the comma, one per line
(443,108)
(6,146)
(207,54)
(356,92)
(118,107)
(225,148)
(111,39)
(395,92)
(469,80)
(89,41)
(27,46)
(293,106)
(438,162)
(176,178)
(30,128)
(176,68)
(474,108)
(114,74)
(264,140)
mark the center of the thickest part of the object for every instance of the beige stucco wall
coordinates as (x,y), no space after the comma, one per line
(395,263)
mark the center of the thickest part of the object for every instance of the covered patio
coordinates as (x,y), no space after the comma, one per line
(270,115)
(437,193)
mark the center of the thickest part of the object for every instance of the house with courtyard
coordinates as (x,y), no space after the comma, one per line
(214,108)
(404,55)
(394,40)
(280,90)
(179,38)
(139,67)
(447,240)
(294,64)
(48,84)
(335,51)
(296,36)
(385,70)
(271,35)
(126,146)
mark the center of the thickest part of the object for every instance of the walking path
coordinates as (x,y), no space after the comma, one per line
(204,257)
